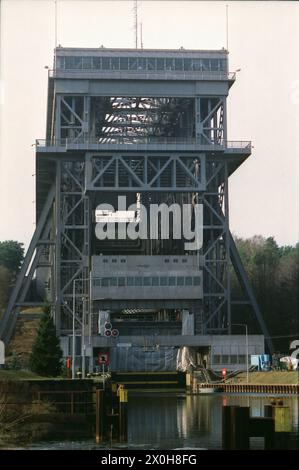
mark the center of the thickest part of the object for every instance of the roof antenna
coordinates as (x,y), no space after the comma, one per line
(55,23)
(141,39)
(226,27)
(136,22)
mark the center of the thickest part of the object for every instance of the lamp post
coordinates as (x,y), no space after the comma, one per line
(246,340)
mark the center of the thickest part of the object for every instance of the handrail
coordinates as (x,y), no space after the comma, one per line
(131,141)
(146,74)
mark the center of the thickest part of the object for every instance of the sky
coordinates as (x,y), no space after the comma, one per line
(263,105)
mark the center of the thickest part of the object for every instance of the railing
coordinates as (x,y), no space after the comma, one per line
(144,74)
(132,142)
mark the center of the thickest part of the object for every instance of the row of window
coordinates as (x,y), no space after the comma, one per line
(123,260)
(149,281)
(141,63)
(229,359)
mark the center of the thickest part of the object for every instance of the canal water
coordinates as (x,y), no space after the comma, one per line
(168,421)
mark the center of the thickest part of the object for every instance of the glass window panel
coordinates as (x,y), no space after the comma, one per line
(188,281)
(106,63)
(205,64)
(96,62)
(163,281)
(175,260)
(141,63)
(121,281)
(73,62)
(222,64)
(97,282)
(130,281)
(151,64)
(105,281)
(147,281)
(214,65)
(171,281)
(180,281)
(196,64)
(169,64)
(196,281)
(115,63)
(178,63)
(160,64)
(133,63)
(60,62)
(124,63)
(155,281)
(87,61)
(138,281)
(187,64)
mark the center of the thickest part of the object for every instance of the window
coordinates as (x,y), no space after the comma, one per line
(184,260)
(188,281)
(87,62)
(115,63)
(147,281)
(138,281)
(114,260)
(225,358)
(160,64)
(121,282)
(166,260)
(141,63)
(96,62)
(171,281)
(217,359)
(130,281)
(105,281)
(155,281)
(151,64)
(187,64)
(73,62)
(196,281)
(123,63)
(196,64)
(105,260)
(241,359)
(105,63)
(132,63)
(169,64)
(178,64)
(123,260)
(214,64)
(163,281)
(233,359)
(113,281)
(60,62)
(180,281)
(97,282)
(175,260)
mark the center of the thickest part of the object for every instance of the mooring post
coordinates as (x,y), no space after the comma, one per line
(240,427)
(99,414)
(123,413)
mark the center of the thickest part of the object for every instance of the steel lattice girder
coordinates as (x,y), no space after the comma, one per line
(143,173)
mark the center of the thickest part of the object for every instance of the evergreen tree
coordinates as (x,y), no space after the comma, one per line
(46,355)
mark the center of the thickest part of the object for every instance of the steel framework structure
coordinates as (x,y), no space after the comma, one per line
(163,148)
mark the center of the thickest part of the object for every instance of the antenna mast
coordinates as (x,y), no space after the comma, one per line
(226,27)
(136,23)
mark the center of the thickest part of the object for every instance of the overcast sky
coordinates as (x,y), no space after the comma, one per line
(263,105)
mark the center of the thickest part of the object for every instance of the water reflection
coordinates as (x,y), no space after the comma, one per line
(172,422)
(169,422)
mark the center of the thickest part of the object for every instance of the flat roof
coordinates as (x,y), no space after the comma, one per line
(100,51)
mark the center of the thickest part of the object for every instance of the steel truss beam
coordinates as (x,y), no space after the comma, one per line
(145,173)
(33,259)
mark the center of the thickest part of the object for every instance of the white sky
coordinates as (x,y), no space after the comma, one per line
(263,105)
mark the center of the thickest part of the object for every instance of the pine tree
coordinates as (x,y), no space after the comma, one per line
(46,355)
